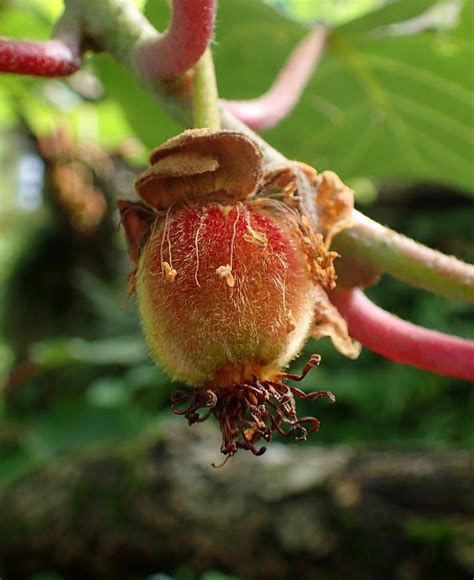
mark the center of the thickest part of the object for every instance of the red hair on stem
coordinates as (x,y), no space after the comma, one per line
(402,341)
(274,105)
(183,44)
(51,58)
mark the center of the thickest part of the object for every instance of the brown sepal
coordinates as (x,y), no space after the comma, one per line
(324,205)
(335,203)
(137,221)
(329,322)
(201,164)
(322,197)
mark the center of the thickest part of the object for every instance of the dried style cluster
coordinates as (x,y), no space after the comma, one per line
(231,268)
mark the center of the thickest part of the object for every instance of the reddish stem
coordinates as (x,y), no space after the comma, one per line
(51,58)
(274,105)
(183,44)
(402,341)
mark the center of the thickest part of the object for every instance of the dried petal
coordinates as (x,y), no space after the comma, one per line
(296,182)
(335,202)
(329,322)
(201,164)
(324,206)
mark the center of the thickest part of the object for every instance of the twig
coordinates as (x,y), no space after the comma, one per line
(183,44)
(386,251)
(402,341)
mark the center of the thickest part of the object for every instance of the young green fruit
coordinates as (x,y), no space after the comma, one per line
(229,278)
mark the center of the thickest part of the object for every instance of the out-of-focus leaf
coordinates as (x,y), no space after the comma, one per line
(11,468)
(465,28)
(327,12)
(77,424)
(151,124)
(382,104)
(121,350)
(7,111)
(391,13)
(51,9)
(109,392)
(26,24)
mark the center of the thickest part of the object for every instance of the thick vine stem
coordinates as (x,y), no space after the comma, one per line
(120,29)
(402,341)
(386,251)
(58,57)
(183,44)
(267,110)
(51,58)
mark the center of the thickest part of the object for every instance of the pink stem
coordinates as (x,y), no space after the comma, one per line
(51,58)
(274,105)
(183,44)
(402,341)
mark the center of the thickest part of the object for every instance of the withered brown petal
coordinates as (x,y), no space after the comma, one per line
(329,322)
(320,197)
(201,164)
(137,221)
(335,202)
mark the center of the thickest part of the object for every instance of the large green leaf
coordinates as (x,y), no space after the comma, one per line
(390,13)
(327,12)
(382,103)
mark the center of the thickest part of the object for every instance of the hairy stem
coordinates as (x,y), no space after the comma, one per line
(402,341)
(386,251)
(51,58)
(120,29)
(182,45)
(60,56)
(205,97)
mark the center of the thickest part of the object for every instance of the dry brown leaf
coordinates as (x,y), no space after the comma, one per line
(329,322)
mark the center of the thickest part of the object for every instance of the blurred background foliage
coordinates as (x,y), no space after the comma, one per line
(390,109)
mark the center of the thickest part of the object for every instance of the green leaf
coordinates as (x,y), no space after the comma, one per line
(328,12)
(24,24)
(465,28)
(383,104)
(76,424)
(245,29)
(149,122)
(16,466)
(59,352)
(391,13)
